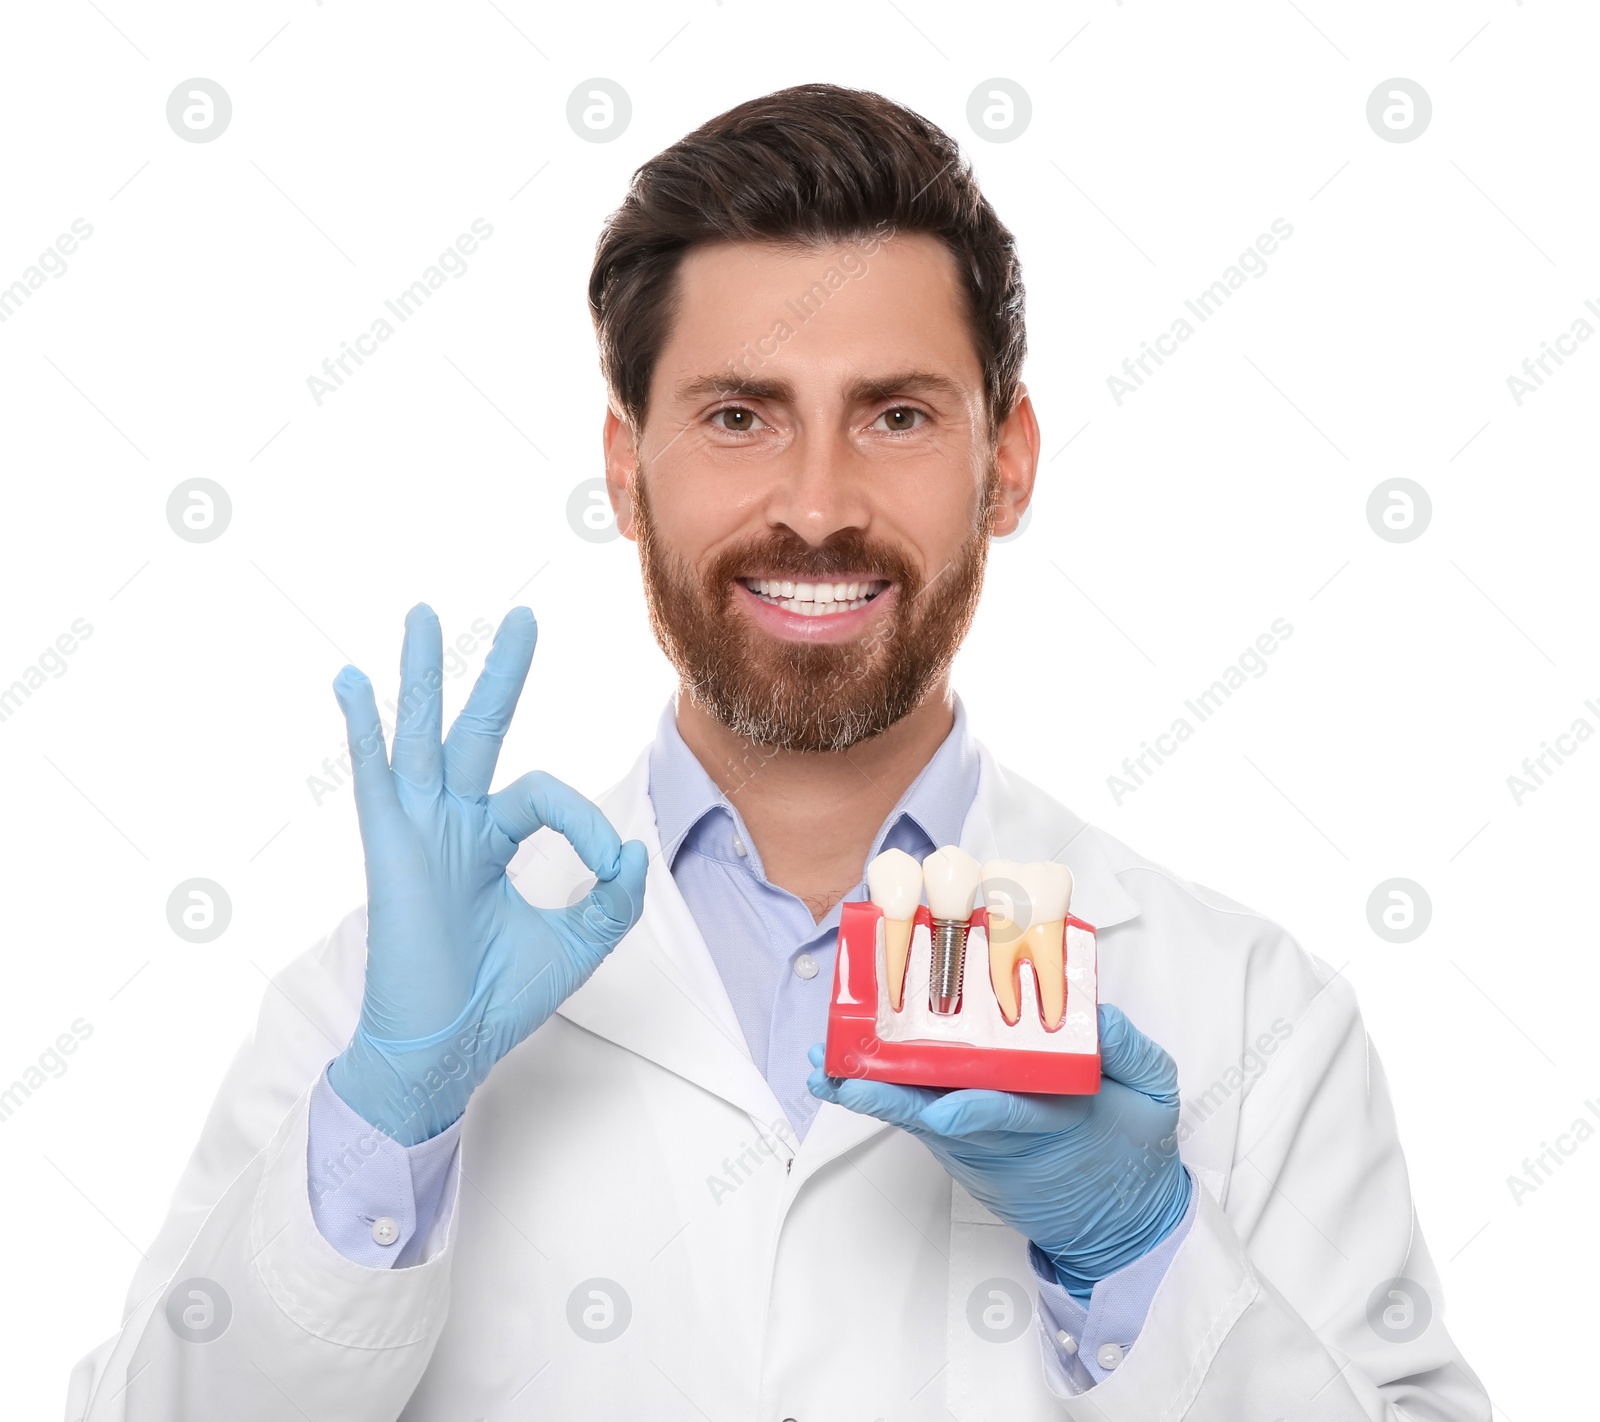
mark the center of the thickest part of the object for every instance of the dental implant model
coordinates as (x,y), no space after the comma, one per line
(903,1009)
(894,883)
(952,877)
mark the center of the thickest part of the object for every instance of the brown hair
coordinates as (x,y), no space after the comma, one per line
(813,164)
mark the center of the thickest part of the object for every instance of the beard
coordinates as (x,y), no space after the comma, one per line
(809,696)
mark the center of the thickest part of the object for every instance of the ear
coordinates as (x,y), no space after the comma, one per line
(622,464)
(1017,462)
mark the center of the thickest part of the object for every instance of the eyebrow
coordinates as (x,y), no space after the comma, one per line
(860,392)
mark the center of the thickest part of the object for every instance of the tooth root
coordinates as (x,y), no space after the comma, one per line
(897,950)
(1004,943)
(894,883)
(1044,946)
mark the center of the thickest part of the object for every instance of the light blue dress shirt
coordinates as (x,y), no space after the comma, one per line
(377,1201)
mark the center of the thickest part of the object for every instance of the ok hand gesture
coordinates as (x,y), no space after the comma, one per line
(460,967)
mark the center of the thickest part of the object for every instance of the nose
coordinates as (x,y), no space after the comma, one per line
(823,488)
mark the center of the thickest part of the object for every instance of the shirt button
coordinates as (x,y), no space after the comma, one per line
(805,966)
(385,1230)
(1069,1344)
(1109,1355)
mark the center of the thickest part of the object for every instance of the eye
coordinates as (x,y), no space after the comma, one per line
(900,419)
(737,419)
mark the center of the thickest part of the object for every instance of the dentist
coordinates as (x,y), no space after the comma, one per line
(541,1130)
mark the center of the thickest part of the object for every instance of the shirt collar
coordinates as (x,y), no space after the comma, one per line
(936,802)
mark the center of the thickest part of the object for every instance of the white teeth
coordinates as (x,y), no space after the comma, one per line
(1004,894)
(952,877)
(815,599)
(1049,887)
(894,883)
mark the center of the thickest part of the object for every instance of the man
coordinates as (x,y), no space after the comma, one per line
(543,1132)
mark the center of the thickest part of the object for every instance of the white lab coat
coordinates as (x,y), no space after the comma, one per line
(834,1283)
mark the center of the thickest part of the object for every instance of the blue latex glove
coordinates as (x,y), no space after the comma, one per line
(1094,1181)
(460,967)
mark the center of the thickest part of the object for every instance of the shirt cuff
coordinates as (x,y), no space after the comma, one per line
(374,1200)
(1097,1338)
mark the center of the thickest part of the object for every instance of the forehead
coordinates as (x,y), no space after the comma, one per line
(871,303)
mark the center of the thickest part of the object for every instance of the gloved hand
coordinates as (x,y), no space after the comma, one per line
(460,967)
(1094,1181)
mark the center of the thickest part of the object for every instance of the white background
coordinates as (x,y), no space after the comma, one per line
(1168,531)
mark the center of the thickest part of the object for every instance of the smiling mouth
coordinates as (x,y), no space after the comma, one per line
(815,599)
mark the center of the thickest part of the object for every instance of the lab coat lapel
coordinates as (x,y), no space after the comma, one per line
(659,995)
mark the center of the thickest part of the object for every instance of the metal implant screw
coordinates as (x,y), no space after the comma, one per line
(949,958)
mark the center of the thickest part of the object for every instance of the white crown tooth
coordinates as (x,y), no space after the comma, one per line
(1049,887)
(894,883)
(787,589)
(1002,886)
(804,591)
(952,877)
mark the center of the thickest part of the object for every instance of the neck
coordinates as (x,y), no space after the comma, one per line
(814,814)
